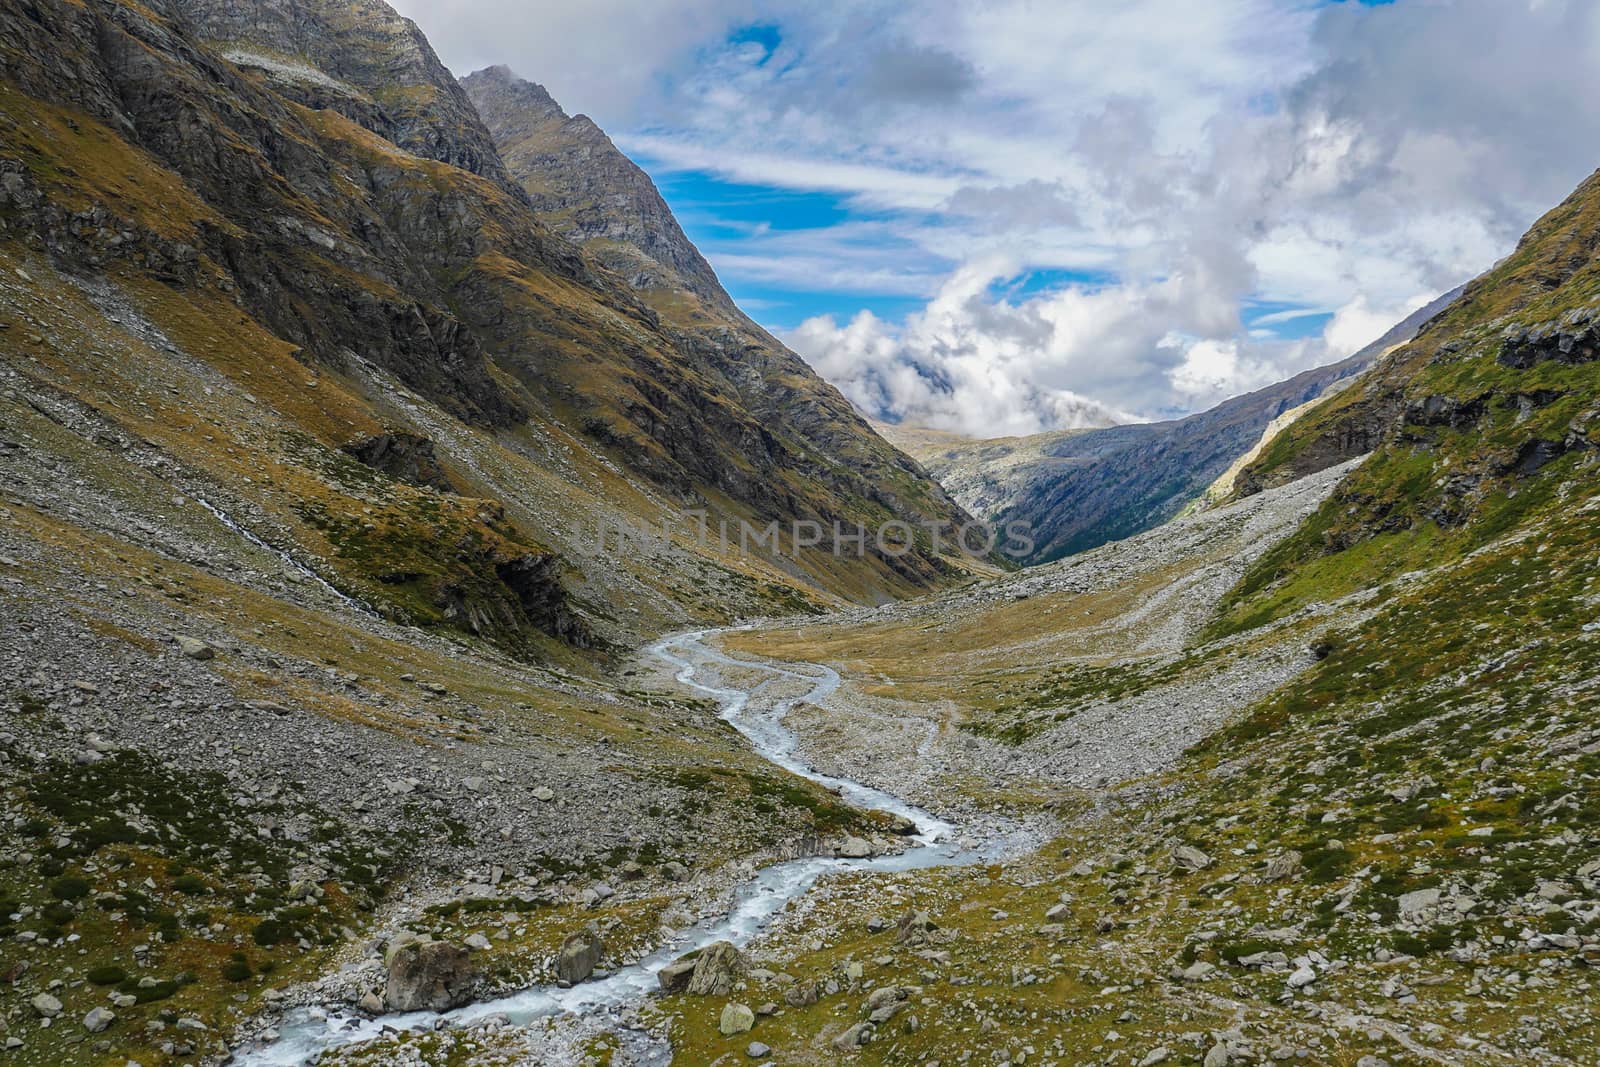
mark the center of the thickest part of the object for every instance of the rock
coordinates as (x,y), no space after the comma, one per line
(429,976)
(1418,900)
(1283,866)
(1157,1055)
(802,994)
(736,1019)
(674,977)
(474,785)
(98,1019)
(914,928)
(757,1051)
(544,794)
(1217,1056)
(193,647)
(853,1038)
(46,1005)
(370,1003)
(1302,978)
(405,457)
(1190,858)
(716,970)
(1199,971)
(855,848)
(477,942)
(673,871)
(883,996)
(580,954)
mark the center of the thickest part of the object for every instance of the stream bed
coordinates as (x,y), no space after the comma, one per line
(307,1033)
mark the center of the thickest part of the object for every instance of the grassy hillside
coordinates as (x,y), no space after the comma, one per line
(1482,427)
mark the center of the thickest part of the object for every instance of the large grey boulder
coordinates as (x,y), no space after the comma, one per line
(580,954)
(429,976)
(674,977)
(716,970)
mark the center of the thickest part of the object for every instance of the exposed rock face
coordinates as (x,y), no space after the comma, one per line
(429,976)
(587,190)
(405,457)
(751,395)
(361,59)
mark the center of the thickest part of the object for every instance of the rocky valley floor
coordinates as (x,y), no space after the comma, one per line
(231,795)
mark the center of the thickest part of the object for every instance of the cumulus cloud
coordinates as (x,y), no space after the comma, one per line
(1193,160)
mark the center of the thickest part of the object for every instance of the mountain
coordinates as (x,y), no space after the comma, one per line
(585,189)
(298,192)
(1077,489)
(316,442)
(590,192)
(1482,425)
(1317,763)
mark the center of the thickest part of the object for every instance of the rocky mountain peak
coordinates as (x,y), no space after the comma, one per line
(362,59)
(588,191)
(500,83)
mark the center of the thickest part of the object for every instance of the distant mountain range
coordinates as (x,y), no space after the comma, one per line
(1077,489)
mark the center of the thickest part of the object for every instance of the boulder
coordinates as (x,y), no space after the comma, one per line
(1418,901)
(853,1038)
(98,1019)
(1190,858)
(802,994)
(716,970)
(674,977)
(855,848)
(914,928)
(193,647)
(1283,866)
(46,1005)
(429,976)
(736,1019)
(580,954)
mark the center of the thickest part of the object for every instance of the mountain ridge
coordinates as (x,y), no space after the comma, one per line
(1078,489)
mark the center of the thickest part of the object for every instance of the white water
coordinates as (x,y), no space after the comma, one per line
(306,1035)
(288,560)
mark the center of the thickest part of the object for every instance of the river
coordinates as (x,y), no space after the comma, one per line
(307,1033)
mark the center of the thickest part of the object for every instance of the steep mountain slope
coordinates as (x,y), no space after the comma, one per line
(589,191)
(585,189)
(326,211)
(309,429)
(1479,427)
(1079,489)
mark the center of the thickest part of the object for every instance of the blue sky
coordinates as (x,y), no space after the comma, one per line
(1014,216)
